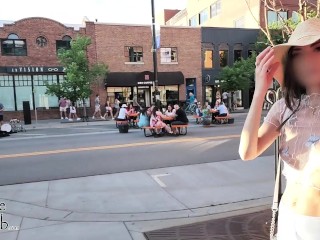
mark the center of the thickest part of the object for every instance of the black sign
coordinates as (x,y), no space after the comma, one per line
(34,69)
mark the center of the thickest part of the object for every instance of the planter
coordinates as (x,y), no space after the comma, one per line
(123,128)
(206,121)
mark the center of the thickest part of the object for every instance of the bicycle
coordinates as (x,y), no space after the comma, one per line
(191,108)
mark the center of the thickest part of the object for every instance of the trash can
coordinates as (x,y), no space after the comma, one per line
(231,121)
(26,112)
(123,128)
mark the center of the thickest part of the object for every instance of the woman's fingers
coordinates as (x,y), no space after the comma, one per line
(273,68)
(266,59)
(262,55)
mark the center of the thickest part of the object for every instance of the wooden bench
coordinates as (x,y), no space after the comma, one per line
(151,129)
(198,118)
(224,119)
(182,128)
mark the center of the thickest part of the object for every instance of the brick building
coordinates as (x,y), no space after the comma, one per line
(28,59)
(127,51)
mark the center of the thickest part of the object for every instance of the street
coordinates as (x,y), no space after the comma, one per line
(68,151)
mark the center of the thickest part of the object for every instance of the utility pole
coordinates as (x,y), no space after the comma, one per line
(155,64)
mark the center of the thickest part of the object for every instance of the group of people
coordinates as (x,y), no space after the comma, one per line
(154,117)
(64,105)
(220,110)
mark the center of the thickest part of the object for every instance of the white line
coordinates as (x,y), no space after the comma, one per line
(156,178)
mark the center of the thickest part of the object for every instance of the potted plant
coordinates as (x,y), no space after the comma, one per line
(207,118)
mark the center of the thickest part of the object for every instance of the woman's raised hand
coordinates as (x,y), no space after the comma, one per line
(265,69)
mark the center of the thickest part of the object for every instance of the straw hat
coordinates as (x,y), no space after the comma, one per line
(306,33)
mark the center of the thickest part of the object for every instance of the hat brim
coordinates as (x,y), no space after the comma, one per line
(281,52)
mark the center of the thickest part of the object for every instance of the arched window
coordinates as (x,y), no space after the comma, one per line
(13,46)
(237,52)
(224,54)
(13,36)
(64,43)
(66,38)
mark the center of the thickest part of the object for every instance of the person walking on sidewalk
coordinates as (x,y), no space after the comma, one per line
(295,118)
(97,107)
(63,107)
(73,113)
(117,106)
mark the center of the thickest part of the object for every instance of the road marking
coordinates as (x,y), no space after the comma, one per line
(142,144)
(156,178)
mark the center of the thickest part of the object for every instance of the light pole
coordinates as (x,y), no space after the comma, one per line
(155,64)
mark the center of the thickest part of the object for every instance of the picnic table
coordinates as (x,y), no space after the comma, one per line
(167,118)
(134,122)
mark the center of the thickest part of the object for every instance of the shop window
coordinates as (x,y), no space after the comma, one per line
(208,59)
(193,22)
(169,55)
(203,16)
(65,43)
(41,41)
(6,92)
(133,54)
(215,8)
(13,46)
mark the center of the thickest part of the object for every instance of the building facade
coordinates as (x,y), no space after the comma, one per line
(127,49)
(222,47)
(28,60)
(232,14)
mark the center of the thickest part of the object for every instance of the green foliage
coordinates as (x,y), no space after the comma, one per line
(79,74)
(239,76)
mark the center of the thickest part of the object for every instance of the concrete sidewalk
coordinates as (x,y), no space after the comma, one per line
(123,206)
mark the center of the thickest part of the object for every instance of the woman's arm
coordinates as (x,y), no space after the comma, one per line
(255,139)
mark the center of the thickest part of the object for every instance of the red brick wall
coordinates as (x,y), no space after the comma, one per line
(111,40)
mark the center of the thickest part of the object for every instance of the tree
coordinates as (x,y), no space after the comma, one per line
(79,75)
(239,76)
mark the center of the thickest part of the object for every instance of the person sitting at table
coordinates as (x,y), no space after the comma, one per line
(155,121)
(123,113)
(207,105)
(181,117)
(144,120)
(199,113)
(170,112)
(131,110)
(223,110)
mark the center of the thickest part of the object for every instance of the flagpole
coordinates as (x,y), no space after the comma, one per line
(155,64)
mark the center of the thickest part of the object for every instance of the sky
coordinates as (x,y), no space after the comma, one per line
(73,11)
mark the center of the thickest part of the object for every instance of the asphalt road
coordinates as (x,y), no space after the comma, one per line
(70,151)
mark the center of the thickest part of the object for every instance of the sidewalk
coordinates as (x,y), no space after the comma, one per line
(124,206)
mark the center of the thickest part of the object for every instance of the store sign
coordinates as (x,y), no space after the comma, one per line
(27,69)
(146,82)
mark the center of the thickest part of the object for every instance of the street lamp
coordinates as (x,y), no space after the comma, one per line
(155,65)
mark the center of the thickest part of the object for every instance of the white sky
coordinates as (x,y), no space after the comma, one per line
(73,11)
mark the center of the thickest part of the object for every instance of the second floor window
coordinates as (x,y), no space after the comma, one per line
(223,57)
(169,55)
(279,17)
(193,22)
(208,59)
(203,16)
(133,54)
(215,8)
(65,43)
(13,46)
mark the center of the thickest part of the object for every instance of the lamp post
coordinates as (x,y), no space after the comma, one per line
(155,64)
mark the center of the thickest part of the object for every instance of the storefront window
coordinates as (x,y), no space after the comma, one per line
(6,92)
(41,98)
(209,94)
(123,93)
(168,94)
(23,90)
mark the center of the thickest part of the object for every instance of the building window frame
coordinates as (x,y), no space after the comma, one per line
(41,41)
(133,54)
(276,17)
(203,16)
(169,55)
(193,21)
(14,47)
(207,53)
(215,8)
(64,43)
